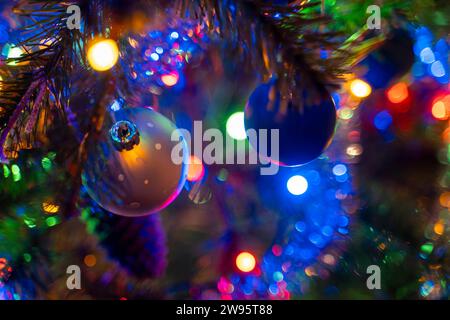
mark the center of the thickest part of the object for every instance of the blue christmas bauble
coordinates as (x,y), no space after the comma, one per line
(131,171)
(304,132)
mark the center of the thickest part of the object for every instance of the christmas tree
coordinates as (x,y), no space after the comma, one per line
(224,149)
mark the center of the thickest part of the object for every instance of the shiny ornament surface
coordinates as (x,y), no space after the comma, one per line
(304,133)
(130,171)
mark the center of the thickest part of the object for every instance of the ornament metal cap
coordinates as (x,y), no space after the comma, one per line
(124,135)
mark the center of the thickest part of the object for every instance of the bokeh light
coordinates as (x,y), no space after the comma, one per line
(297,185)
(196,169)
(440,108)
(397,93)
(360,88)
(236,126)
(90,260)
(170,79)
(103,55)
(245,261)
(382,120)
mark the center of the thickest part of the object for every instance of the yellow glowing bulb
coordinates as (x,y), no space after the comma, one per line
(245,262)
(360,89)
(103,55)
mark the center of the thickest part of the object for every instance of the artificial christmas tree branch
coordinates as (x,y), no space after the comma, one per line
(286,45)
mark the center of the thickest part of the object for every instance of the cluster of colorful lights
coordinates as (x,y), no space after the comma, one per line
(45,214)
(159,57)
(305,251)
(318,200)
(434,281)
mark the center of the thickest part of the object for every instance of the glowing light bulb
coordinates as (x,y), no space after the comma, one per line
(103,55)
(397,93)
(245,262)
(196,169)
(297,185)
(236,126)
(360,89)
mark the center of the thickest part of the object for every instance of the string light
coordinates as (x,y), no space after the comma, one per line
(245,262)
(360,88)
(297,185)
(103,55)
(236,126)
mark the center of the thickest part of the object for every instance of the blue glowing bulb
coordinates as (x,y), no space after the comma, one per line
(297,185)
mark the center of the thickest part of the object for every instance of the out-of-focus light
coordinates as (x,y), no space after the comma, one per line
(236,126)
(427,55)
(196,170)
(50,208)
(339,170)
(6,171)
(397,93)
(51,221)
(329,259)
(444,199)
(297,185)
(354,150)
(103,55)
(345,113)
(15,170)
(90,260)
(170,79)
(439,227)
(382,120)
(426,288)
(360,88)
(174,35)
(154,56)
(245,262)
(439,110)
(437,69)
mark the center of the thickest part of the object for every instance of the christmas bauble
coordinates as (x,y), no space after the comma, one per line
(130,171)
(391,61)
(304,132)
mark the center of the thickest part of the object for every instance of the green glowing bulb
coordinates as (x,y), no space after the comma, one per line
(16,172)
